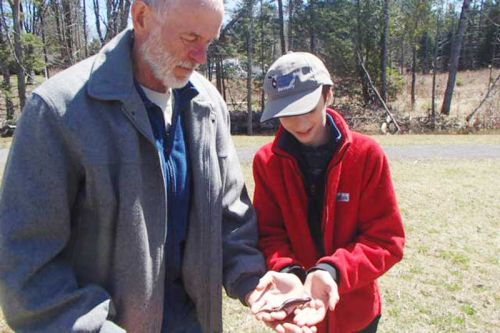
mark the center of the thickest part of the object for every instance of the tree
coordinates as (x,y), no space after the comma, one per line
(85,35)
(68,25)
(33,61)
(384,53)
(435,67)
(97,14)
(312,25)
(41,14)
(290,24)
(455,54)
(117,15)
(18,51)
(416,16)
(282,27)
(249,66)
(4,66)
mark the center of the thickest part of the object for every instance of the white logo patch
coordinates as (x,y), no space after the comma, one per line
(343,197)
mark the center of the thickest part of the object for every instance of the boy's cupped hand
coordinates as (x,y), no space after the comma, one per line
(283,303)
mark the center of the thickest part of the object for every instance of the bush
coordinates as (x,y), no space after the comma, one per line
(395,82)
(33,53)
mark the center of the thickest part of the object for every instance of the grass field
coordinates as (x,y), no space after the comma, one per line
(470,89)
(448,280)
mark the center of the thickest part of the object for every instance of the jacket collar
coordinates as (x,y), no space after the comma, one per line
(112,74)
(282,145)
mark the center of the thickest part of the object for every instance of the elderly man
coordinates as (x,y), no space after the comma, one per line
(123,206)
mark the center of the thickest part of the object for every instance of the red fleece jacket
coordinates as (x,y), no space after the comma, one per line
(363,231)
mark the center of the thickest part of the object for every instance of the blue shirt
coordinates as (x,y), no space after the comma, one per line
(179,309)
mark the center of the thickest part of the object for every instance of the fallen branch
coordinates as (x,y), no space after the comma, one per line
(393,120)
(471,115)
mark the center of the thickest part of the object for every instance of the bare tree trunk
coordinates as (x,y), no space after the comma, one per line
(312,25)
(224,88)
(41,13)
(249,67)
(6,87)
(124,15)
(76,27)
(426,53)
(282,27)
(116,14)
(85,36)
(68,31)
(98,21)
(262,56)
(290,25)
(360,58)
(455,54)
(413,77)
(60,34)
(495,41)
(385,41)
(110,20)
(18,50)
(218,74)
(402,58)
(434,70)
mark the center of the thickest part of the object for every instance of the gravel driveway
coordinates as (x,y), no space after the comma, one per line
(420,152)
(410,152)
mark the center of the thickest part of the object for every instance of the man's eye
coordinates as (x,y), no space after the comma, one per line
(189,38)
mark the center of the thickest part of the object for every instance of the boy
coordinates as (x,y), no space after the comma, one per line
(325,202)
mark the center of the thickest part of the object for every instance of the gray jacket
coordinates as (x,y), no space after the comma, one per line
(83,207)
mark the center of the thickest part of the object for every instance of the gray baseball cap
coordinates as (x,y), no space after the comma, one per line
(293,85)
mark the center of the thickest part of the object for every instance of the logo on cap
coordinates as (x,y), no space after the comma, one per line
(283,82)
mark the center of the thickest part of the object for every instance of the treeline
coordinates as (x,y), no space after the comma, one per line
(369,44)
(39,37)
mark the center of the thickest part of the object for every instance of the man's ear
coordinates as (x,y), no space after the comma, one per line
(141,18)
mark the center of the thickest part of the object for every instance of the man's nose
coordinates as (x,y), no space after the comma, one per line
(199,55)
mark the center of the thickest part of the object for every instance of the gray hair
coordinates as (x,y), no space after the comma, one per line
(161,6)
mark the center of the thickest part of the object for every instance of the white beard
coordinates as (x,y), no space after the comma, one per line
(163,62)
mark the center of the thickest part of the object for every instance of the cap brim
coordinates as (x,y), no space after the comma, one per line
(292,105)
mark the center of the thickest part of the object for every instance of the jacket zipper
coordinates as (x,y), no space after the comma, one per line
(206,157)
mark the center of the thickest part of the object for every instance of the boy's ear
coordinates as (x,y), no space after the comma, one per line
(329,96)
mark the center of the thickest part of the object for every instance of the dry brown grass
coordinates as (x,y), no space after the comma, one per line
(470,89)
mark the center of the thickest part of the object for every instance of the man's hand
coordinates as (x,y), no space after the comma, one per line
(324,293)
(273,289)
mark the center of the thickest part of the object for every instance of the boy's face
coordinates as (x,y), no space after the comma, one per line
(310,128)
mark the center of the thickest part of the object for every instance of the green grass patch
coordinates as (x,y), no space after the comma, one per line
(246,141)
